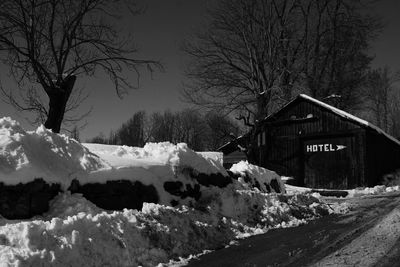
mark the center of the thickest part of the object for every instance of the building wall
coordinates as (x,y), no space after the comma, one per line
(303,123)
(383,157)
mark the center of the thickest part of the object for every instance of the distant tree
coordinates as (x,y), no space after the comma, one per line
(220,130)
(162,126)
(200,131)
(112,138)
(131,132)
(191,129)
(49,43)
(99,139)
(382,96)
(75,133)
(336,39)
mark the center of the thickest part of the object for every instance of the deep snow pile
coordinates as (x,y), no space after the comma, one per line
(26,155)
(161,154)
(379,189)
(361,191)
(171,169)
(77,233)
(259,177)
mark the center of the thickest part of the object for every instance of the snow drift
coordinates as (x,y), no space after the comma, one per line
(78,233)
(26,155)
(263,179)
(114,177)
(211,208)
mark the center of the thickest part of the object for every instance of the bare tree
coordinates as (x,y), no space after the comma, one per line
(246,59)
(162,126)
(75,133)
(381,96)
(336,39)
(131,133)
(257,54)
(49,43)
(220,130)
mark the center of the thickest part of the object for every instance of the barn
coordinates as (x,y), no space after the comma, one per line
(321,146)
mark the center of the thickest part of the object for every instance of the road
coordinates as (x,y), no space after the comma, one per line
(369,235)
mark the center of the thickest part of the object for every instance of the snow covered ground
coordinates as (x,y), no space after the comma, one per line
(77,233)
(361,191)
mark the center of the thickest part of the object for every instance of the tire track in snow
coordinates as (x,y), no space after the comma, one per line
(370,247)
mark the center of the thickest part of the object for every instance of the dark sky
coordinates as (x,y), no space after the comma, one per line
(159,33)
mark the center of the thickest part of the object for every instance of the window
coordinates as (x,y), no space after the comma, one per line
(263,138)
(259,139)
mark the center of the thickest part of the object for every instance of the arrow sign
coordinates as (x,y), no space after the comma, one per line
(340,147)
(324,148)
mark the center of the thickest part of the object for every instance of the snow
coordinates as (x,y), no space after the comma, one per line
(216,156)
(258,175)
(153,164)
(26,155)
(343,114)
(379,189)
(350,117)
(291,189)
(157,154)
(78,233)
(357,192)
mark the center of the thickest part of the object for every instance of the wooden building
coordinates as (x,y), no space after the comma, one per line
(324,147)
(233,151)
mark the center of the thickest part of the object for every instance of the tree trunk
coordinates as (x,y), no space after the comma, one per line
(58,98)
(262,107)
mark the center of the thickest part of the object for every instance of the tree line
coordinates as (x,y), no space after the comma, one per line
(202,132)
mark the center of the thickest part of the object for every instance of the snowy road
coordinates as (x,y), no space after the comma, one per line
(367,236)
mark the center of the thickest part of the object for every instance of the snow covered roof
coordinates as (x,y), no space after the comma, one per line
(232,146)
(341,113)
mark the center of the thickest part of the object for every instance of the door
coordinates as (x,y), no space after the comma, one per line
(329,162)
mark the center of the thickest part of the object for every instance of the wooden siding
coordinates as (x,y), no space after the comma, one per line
(383,157)
(303,122)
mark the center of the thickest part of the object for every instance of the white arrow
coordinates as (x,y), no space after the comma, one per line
(340,147)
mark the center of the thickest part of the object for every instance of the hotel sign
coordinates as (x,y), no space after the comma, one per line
(324,148)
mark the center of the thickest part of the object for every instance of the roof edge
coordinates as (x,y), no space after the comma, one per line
(339,112)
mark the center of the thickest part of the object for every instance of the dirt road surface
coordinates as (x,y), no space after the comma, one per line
(369,235)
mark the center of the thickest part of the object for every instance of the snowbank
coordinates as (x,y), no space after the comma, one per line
(77,233)
(26,155)
(58,159)
(379,189)
(362,191)
(178,174)
(157,154)
(212,208)
(263,179)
